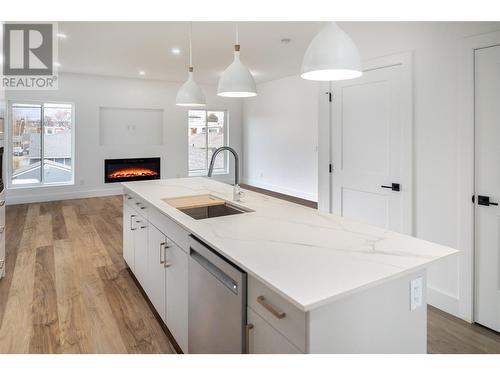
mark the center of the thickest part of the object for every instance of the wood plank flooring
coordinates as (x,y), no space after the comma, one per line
(67,290)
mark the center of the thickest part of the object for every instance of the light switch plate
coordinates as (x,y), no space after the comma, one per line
(416,293)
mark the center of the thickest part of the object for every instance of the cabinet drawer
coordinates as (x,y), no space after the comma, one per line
(278,312)
(264,339)
(137,204)
(171,229)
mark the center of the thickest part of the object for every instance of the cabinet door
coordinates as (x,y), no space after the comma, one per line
(264,339)
(128,235)
(177,294)
(154,285)
(141,250)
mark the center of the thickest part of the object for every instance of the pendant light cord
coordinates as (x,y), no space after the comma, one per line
(190,46)
(237,45)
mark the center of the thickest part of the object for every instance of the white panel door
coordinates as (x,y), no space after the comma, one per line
(264,339)
(487,187)
(141,249)
(129,226)
(176,309)
(371,149)
(156,278)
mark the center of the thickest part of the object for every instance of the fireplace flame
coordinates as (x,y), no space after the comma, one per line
(133,172)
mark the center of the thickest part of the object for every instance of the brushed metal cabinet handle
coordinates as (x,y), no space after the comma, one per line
(161,251)
(248,328)
(278,314)
(131,218)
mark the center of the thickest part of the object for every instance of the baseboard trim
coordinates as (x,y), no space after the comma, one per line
(443,301)
(280,189)
(42,196)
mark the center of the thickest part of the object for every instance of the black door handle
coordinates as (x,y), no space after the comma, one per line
(484,200)
(393,187)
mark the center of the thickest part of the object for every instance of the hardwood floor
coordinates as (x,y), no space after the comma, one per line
(67,290)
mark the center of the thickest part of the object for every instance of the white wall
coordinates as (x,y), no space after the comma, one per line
(435,50)
(280,137)
(88,93)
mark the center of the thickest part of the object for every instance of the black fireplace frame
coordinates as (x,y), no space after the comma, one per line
(109,163)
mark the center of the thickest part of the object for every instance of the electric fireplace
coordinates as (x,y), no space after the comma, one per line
(123,170)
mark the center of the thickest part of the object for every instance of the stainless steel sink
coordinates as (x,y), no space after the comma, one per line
(207,212)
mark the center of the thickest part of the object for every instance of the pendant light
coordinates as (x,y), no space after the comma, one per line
(331,56)
(190,94)
(236,81)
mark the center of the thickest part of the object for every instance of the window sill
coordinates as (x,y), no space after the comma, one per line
(204,174)
(33,186)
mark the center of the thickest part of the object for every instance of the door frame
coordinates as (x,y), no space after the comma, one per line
(466,168)
(405,60)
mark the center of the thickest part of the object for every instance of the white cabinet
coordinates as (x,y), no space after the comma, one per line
(264,339)
(155,283)
(160,266)
(140,239)
(129,216)
(177,294)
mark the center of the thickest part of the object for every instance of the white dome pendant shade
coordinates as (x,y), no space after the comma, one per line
(236,81)
(190,94)
(331,56)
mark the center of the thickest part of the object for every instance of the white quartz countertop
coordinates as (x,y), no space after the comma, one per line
(308,257)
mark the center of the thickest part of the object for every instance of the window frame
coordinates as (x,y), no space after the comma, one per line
(9,145)
(204,172)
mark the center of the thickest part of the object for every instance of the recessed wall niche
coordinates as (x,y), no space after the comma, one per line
(130,126)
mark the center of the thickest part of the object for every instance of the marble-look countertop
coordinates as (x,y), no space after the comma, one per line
(308,257)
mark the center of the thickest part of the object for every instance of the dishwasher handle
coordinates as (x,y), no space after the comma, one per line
(216,272)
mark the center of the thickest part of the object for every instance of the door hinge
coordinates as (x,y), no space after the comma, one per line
(330,168)
(329,96)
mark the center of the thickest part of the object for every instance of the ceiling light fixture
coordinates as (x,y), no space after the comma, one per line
(142,73)
(176,51)
(61,35)
(57,64)
(190,94)
(236,81)
(331,56)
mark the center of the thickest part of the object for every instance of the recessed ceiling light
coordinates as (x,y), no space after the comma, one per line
(61,35)
(176,51)
(142,73)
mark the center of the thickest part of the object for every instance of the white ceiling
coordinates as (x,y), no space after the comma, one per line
(125,48)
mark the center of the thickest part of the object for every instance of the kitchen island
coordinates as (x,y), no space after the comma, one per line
(317,283)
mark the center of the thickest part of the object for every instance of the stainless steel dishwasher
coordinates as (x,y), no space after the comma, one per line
(217,299)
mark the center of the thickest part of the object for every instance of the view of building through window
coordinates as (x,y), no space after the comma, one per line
(42,150)
(207,132)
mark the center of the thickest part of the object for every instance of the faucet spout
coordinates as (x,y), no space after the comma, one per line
(237,193)
(236,162)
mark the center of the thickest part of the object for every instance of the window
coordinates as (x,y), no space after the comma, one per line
(41,144)
(207,131)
